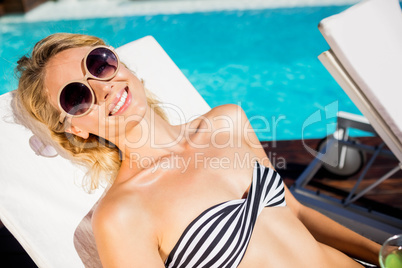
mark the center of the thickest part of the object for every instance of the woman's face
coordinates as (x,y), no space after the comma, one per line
(103,119)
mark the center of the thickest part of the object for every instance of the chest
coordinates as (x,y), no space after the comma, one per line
(204,178)
(228,225)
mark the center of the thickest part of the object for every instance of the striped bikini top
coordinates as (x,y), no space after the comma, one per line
(220,235)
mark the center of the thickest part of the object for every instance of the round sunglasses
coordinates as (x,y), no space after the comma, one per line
(77,97)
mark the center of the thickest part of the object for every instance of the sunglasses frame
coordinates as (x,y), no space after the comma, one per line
(84,81)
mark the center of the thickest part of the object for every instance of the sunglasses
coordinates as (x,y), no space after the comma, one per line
(76,98)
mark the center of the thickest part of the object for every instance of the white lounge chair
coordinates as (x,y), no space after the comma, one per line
(366,60)
(41,199)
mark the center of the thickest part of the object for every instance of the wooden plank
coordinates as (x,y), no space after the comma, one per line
(2,10)
(386,197)
(18,6)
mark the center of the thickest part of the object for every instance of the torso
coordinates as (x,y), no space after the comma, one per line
(186,184)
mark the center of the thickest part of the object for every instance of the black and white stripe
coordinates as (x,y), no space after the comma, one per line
(220,235)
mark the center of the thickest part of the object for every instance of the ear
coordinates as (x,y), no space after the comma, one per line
(78,132)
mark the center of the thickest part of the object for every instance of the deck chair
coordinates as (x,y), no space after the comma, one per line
(41,198)
(365,59)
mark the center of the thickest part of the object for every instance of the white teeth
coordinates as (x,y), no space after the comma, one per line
(120,103)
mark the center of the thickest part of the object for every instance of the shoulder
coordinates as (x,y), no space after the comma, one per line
(125,231)
(117,211)
(228,115)
(232,110)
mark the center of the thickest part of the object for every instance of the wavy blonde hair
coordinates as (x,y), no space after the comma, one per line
(101,158)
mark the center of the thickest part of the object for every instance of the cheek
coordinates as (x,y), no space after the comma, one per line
(90,123)
(139,103)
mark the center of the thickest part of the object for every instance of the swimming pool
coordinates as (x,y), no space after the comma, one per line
(265,60)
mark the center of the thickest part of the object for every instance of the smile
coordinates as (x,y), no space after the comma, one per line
(123,102)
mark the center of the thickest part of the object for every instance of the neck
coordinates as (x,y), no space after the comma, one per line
(150,139)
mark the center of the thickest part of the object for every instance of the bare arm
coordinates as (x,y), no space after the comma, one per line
(324,229)
(335,235)
(125,237)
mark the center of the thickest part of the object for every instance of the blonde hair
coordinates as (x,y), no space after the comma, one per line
(101,158)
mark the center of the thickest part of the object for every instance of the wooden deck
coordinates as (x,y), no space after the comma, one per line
(290,159)
(18,6)
(386,197)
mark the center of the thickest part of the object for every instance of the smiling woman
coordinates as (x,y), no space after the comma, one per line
(228,216)
(76,98)
(101,159)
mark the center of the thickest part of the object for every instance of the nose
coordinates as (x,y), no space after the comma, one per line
(101,89)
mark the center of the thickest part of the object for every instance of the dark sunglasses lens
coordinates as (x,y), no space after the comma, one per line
(76,98)
(102,62)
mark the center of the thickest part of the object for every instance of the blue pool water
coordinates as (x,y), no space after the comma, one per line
(264,60)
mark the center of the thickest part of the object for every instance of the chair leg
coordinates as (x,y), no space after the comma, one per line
(363,174)
(368,188)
